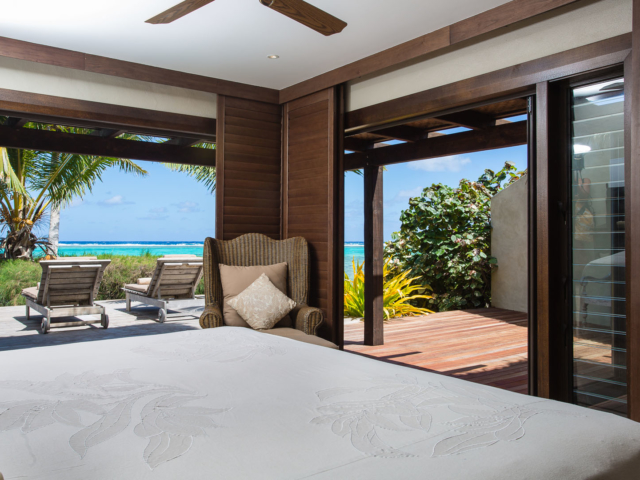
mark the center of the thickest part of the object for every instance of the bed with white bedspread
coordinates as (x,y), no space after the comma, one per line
(231,403)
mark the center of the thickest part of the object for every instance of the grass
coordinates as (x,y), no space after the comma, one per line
(18,274)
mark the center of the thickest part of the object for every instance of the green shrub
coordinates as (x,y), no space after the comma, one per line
(18,274)
(124,269)
(445,240)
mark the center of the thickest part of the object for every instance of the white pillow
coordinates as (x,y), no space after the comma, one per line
(261,304)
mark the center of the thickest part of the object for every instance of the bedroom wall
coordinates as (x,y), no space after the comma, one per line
(309,185)
(555,32)
(39,78)
(509,241)
(249,166)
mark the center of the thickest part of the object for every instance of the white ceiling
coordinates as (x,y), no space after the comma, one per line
(230,39)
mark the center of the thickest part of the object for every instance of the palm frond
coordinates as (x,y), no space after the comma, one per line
(8,177)
(205,175)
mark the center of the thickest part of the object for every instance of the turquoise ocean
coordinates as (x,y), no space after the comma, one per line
(352,250)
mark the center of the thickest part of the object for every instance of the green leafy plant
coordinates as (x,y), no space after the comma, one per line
(203,174)
(399,292)
(445,240)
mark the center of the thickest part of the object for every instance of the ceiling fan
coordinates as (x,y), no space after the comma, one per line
(298,10)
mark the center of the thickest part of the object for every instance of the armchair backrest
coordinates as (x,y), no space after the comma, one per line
(255,249)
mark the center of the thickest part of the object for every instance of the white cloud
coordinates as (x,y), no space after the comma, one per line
(454,163)
(114,201)
(187,207)
(159,213)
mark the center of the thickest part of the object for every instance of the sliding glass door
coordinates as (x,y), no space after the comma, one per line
(598,247)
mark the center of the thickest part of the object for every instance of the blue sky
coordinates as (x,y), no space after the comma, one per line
(163,206)
(171,206)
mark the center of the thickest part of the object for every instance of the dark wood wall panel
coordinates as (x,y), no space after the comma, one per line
(310,166)
(249,167)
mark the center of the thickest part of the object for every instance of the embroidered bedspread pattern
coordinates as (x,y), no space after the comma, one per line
(227,402)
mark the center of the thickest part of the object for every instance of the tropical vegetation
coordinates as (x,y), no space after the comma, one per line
(32,183)
(203,174)
(399,293)
(445,239)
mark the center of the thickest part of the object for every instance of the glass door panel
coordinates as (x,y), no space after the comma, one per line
(598,247)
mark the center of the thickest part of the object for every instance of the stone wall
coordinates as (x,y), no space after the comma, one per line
(509,237)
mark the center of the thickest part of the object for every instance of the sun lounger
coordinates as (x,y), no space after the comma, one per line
(172,286)
(67,288)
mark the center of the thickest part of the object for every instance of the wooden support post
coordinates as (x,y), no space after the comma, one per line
(632,207)
(553,278)
(373,257)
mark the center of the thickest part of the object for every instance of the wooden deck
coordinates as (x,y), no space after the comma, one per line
(487,346)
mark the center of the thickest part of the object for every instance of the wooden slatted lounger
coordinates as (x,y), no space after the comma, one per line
(67,288)
(172,286)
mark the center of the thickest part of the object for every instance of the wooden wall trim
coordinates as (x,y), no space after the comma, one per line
(632,207)
(516,80)
(554,325)
(59,57)
(338,213)
(84,113)
(486,22)
(220,153)
(284,222)
(543,356)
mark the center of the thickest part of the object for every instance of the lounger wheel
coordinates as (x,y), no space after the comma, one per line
(162,315)
(104,321)
(45,326)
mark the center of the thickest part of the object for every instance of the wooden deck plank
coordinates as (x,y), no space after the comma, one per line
(487,346)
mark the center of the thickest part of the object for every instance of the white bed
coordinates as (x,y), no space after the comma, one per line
(230,403)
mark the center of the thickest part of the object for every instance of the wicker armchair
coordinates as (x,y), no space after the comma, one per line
(255,249)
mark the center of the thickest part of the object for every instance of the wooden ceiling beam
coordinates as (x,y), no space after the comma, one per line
(469,119)
(184,142)
(15,122)
(357,145)
(94,115)
(517,80)
(401,132)
(106,133)
(502,136)
(30,139)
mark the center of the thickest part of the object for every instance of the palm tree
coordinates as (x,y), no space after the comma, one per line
(33,183)
(202,174)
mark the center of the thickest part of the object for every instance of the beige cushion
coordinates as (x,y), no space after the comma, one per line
(144,281)
(31,292)
(300,336)
(137,288)
(262,305)
(235,280)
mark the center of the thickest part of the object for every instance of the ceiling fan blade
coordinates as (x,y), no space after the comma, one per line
(308,15)
(179,11)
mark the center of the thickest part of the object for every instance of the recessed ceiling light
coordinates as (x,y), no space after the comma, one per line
(273,57)
(579,149)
